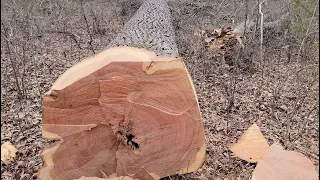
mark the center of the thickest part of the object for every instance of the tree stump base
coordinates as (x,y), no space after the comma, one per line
(126,112)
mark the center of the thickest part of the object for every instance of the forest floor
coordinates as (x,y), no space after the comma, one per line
(276,86)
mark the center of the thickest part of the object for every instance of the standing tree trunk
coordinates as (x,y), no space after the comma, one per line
(126,111)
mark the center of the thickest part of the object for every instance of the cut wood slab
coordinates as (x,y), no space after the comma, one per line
(278,163)
(273,162)
(126,112)
(251,146)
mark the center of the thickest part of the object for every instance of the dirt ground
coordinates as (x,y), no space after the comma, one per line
(276,86)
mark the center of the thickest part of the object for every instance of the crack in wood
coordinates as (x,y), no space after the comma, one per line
(127,139)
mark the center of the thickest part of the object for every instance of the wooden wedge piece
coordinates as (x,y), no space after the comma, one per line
(251,146)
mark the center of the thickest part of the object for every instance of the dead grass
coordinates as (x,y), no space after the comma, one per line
(45,38)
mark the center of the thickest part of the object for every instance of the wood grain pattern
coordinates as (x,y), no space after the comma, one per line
(124,111)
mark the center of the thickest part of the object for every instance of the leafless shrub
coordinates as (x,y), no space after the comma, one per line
(88,27)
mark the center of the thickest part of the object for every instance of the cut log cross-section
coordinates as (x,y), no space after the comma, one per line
(126,111)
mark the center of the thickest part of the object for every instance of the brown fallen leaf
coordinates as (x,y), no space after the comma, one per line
(222,40)
(238,38)
(8,152)
(209,39)
(278,163)
(251,146)
(199,33)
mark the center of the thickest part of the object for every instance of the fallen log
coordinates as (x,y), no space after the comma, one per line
(150,28)
(127,111)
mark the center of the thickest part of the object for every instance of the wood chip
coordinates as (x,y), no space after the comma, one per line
(251,146)
(8,152)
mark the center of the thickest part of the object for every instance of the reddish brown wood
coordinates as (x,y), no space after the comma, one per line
(126,112)
(278,163)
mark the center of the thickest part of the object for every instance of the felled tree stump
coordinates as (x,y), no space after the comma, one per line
(124,111)
(127,111)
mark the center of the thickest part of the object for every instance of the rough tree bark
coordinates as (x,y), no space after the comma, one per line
(127,111)
(150,28)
